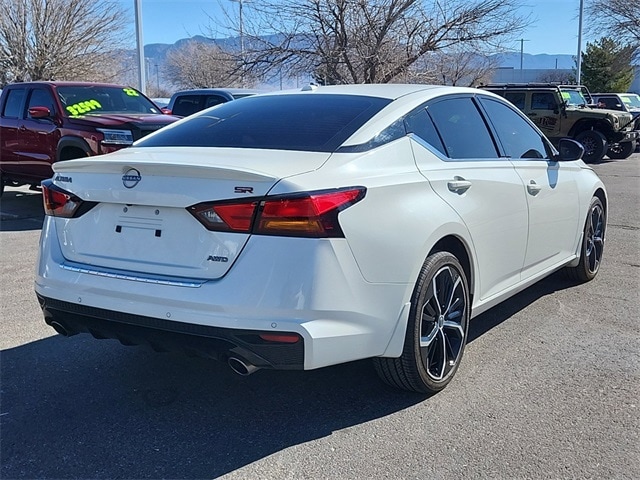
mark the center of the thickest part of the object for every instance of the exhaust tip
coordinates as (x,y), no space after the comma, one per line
(58,327)
(241,367)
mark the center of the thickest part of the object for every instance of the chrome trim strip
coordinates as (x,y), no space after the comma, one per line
(128,276)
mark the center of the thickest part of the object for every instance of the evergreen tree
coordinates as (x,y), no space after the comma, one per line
(606,66)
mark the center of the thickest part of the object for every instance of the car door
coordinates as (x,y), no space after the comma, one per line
(11,121)
(550,188)
(544,112)
(39,136)
(456,153)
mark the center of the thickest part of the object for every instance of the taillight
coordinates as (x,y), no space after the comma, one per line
(312,214)
(59,203)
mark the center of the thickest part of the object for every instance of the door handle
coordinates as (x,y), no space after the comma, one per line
(458,185)
(533,188)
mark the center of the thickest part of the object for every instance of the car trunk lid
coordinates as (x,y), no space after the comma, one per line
(141,222)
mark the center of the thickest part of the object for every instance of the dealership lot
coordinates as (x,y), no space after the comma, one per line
(548,388)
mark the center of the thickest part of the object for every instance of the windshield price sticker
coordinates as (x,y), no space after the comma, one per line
(131,92)
(83,107)
(566,95)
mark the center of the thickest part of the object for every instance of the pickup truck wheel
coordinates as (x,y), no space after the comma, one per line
(620,151)
(595,145)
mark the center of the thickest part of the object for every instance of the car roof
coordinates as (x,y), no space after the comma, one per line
(67,83)
(204,91)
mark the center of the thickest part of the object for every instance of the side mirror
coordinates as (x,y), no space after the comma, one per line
(569,150)
(39,112)
(165,110)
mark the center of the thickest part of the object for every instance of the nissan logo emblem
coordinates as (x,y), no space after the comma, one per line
(131,178)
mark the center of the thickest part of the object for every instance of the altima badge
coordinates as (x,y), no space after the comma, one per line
(131,178)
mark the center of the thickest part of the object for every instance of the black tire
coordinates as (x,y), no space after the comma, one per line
(595,145)
(436,331)
(620,151)
(592,246)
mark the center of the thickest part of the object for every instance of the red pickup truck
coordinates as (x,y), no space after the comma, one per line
(46,122)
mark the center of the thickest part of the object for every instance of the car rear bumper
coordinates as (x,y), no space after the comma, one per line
(164,335)
(308,287)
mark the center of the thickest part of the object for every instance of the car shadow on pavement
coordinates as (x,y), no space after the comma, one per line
(21,210)
(83,408)
(503,311)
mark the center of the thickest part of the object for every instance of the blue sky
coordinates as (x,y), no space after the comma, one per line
(554,31)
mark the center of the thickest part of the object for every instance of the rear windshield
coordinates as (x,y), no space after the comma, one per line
(306,122)
(95,99)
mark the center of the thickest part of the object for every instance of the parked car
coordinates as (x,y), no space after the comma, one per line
(161,102)
(301,229)
(45,122)
(188,102)
(625,102)
(566,111)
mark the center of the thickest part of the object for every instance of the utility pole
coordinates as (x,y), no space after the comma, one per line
(579,59)
(241,31)
(522,40)
(142,78)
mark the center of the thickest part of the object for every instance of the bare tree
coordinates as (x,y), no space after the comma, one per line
(619,19)
(455,66)
(60,39)
(201,65)
(366,41)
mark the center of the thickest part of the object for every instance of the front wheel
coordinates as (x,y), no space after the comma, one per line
(592,244)
(436,331)
(620,151)
(595,145)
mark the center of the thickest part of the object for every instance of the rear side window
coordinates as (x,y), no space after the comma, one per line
(186,105)
(306,122)
(14,103)
(462,129)
(517,98)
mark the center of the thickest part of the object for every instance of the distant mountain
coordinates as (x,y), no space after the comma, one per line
(536,62)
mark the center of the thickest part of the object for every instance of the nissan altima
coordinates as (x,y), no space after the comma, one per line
(307,228)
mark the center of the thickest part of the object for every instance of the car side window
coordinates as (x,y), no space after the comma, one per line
(41,98)
(517,98)
(611,103)
(13,103)
(517,137)
(212,100)
(543,101)
(421,125)
(186,105)
(462,129)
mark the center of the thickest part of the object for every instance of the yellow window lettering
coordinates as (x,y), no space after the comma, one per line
(95,104)
(131,92)
(72,110)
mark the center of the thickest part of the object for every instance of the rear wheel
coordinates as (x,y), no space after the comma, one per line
(620,151)
(436,331)
(592,244)
(595,145)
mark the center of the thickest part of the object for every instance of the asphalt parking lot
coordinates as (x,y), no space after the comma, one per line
(549,388)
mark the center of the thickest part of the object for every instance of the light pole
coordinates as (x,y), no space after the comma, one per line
(522,40)
(241,31)
(579,59)
(142,80)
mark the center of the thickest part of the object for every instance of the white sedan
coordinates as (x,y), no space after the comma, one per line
(301,229)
